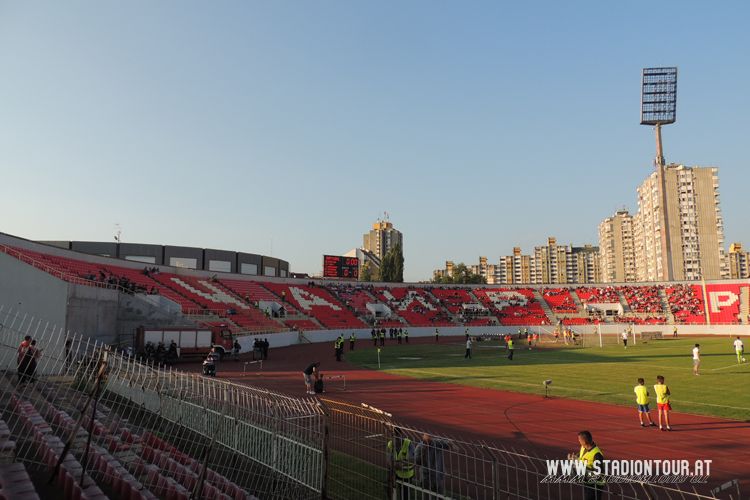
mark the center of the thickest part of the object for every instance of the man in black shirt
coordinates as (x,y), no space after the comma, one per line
(308,373)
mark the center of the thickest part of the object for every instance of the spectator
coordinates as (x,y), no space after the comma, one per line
(401,460)
(308,373)
(431,462)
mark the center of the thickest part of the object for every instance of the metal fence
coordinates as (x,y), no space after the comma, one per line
(197,430)
(175,431)
(361,464)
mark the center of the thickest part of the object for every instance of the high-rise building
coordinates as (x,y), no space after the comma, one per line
(678,230)
(444,273)
(617,248)
(481,269)
(586,265)
(514,268)
(552,263)
(739,262)
(382,238)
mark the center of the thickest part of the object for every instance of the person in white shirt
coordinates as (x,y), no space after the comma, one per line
(625,339)
(468,348)
(696,359)
(739,349)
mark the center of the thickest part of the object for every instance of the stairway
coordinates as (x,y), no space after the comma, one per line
(576,300)
(624,303)
(745,305)
(232,293)
(667,308)
(545,307)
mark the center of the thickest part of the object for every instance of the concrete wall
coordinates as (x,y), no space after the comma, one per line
(95,248)
(171,252)
(32,291)
(248,258)
(134,311)
(210,255)
(269,262)
(137,250)
(93,312)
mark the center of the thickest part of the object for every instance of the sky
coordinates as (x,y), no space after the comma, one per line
(287,128)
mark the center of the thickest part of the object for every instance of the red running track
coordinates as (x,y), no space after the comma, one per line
(542,427)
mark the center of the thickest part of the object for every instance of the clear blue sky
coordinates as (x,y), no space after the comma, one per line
(288,127)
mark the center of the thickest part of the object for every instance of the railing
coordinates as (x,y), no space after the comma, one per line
(189,429)
(57,273)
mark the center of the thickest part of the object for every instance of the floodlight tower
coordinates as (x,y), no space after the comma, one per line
(659,103)
(659,107)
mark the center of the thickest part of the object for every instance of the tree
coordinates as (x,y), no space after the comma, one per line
(392,267)
(461,275)
(368,273)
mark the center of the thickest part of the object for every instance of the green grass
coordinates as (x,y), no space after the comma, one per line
(349,476)
(593,374)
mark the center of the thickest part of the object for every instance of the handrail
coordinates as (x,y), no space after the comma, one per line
(63,275)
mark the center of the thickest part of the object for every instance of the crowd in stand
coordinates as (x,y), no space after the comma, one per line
(111,280)
(644,299)
(563,302)
(599,294)
(684,302)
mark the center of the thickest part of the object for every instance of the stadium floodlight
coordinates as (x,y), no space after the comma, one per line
(659,96)
(658,102)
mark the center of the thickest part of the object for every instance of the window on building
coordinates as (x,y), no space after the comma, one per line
(185,262)
(141,258)
(249,268)
(222,266)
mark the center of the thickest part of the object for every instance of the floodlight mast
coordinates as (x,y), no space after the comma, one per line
(659,103)
(659,107)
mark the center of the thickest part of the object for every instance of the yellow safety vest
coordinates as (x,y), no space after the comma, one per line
(404,469)
(588,458)
(510,344)
(661,393)
(641,394)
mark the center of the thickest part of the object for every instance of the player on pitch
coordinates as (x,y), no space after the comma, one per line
(739,349)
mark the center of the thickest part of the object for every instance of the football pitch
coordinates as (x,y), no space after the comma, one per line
(606,374)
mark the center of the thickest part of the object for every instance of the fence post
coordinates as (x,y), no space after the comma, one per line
(326,437)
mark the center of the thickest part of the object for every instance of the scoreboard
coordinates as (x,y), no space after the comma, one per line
(337,266)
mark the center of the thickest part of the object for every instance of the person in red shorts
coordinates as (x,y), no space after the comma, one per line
(662,402)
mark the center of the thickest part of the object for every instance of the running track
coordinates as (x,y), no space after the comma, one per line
(523,422)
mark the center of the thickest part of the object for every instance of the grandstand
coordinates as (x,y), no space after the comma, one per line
(100,424)
(258,305)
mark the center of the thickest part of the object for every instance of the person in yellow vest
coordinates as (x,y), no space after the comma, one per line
(641,399)
(510,349)
(352,340)
(337,348)
(401,459)
(437,335)
(592,456)
(662,402)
